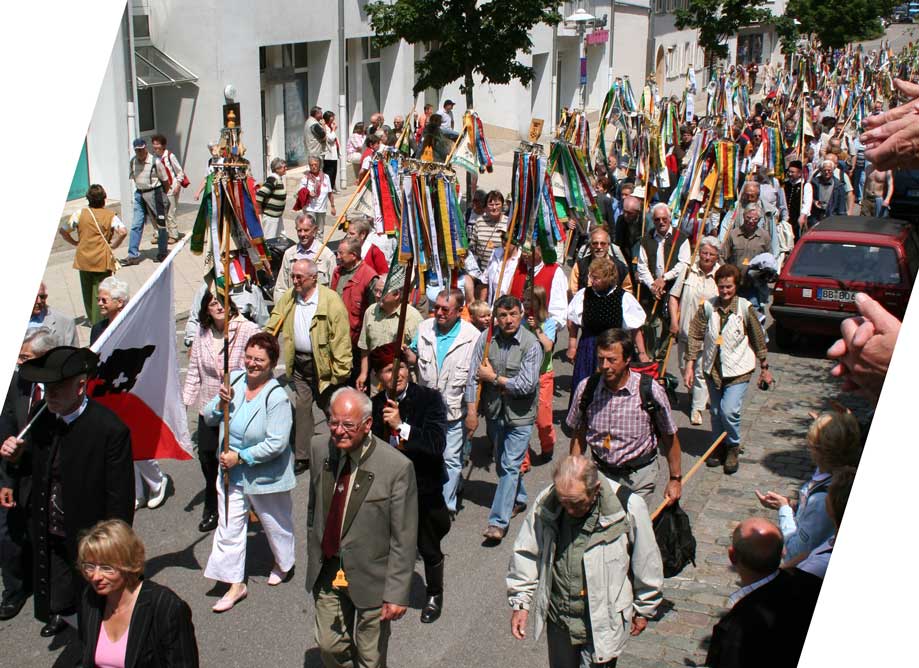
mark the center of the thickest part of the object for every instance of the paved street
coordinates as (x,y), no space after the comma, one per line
(274,626)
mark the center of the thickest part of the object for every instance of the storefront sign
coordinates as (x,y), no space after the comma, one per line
(598,36)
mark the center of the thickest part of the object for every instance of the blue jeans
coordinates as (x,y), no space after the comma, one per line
(726,403)
(511,445)
(453,458)
(137,228)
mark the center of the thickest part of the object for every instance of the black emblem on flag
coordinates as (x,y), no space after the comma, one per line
(119,372)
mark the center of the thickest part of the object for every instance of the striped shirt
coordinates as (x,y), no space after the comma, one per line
(618,428)
(486,237)
(272,196)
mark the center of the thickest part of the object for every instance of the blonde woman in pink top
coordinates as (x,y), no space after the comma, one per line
(205,375)
(124,619)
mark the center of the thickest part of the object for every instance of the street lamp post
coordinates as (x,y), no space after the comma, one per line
(581,20)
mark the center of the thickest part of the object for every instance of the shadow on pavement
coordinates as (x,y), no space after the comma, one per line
(787,463)
(184,558)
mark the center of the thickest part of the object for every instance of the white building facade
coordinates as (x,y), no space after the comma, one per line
(675,51)
(172,63)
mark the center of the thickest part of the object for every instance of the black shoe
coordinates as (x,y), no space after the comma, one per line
(161,256)
(208,522)
(301,465)
(54,626)
(432,609)
(11,606)
(130,260)
(731,460)
(518,508)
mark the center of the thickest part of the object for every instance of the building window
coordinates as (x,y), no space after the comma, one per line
(146,121)
(141,24)
(750,49)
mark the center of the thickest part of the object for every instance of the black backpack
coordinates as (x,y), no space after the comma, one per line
(674,540)
(648,403)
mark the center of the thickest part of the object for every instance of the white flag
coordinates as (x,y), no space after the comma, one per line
(138,376)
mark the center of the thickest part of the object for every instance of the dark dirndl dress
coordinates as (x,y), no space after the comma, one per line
(601,312)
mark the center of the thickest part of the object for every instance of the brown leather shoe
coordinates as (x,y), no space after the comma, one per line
(730,460)
(494,533)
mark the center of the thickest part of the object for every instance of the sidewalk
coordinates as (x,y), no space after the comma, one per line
(63,281)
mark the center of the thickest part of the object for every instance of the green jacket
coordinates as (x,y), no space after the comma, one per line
(330,334)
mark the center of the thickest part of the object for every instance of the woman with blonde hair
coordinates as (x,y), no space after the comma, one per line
(126,620)
(834,442)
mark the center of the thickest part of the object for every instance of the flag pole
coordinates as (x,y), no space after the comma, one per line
(226,352)
(391,392)
(692,471)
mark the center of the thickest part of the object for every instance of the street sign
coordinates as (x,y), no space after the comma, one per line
(598,36)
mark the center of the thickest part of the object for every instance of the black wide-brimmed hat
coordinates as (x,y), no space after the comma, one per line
(59,364)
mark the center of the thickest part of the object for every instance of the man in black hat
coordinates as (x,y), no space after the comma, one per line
(22,402)
(82,473)
(415,423)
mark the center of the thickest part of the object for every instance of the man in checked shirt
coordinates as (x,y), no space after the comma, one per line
(618,430)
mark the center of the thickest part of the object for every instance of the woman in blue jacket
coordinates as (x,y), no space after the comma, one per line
(260,469)
(834,441)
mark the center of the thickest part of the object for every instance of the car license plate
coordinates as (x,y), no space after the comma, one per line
(833,295)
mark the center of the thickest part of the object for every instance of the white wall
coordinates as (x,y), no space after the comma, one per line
(108,140)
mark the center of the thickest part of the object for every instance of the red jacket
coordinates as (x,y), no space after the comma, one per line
(355,296)
(377,260)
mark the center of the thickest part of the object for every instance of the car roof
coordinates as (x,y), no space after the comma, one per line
(887,227)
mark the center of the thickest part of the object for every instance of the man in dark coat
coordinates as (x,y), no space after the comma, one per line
(770,614)
(82,473)
(22,402)
(415,423)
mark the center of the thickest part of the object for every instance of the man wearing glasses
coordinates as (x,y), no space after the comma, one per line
(362,519)
(57,323)
(659,263)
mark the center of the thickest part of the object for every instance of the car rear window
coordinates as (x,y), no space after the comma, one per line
(847,262)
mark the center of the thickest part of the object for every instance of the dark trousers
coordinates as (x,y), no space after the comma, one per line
(15,552)
(433,525)
(330,167)
(66,584)
(306,390)
(208,444)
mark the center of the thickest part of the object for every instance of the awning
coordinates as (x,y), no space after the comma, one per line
(155,68)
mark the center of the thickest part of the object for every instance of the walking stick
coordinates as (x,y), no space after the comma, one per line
(644,224)
(695,467)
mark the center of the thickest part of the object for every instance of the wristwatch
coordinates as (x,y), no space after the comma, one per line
(678,478)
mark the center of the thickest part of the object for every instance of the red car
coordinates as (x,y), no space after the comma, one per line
(836,258)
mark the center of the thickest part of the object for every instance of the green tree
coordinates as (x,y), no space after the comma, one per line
(469,37)
(835,23)
(716,20)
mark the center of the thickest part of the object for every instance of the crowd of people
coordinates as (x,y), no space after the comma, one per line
(386,484)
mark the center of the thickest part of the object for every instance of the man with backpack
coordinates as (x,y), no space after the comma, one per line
(586,566)
(150,203)
(623,416)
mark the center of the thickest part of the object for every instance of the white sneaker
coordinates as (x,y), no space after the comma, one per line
(695,418)
(157,499)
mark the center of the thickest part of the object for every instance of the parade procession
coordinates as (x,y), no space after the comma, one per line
(429,391)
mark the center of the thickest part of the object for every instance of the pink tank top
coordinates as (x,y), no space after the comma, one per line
(111,654)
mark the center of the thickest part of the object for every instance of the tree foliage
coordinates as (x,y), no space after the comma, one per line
(835,23)
(468,37)
(716,20)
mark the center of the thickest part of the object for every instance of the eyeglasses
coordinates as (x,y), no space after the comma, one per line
(43,298)
(438,307)
(347,426)
(104,569)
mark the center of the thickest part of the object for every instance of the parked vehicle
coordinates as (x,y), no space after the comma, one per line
(835,259)
(904,203)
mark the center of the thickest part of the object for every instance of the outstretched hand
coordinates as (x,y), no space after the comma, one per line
(891,139)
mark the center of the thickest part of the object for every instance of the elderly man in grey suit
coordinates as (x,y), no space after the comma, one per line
(363,526)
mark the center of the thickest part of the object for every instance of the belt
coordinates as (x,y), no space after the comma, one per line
(149,189)
(626,468)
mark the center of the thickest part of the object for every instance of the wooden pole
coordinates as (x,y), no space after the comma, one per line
(226,352)
(644,223)
(341,216)
(692,471)
(400,328)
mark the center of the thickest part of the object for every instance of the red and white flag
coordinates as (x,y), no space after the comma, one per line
(138,375)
